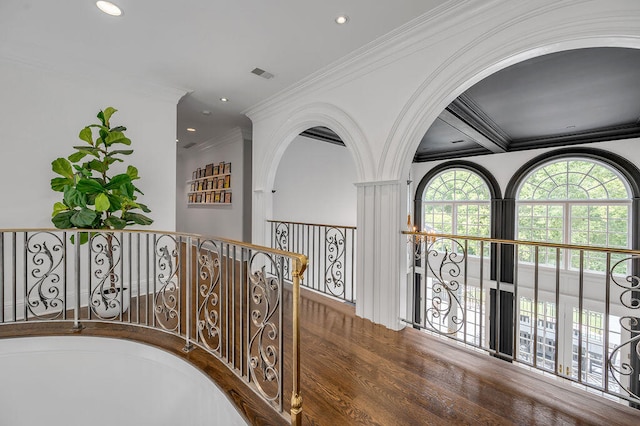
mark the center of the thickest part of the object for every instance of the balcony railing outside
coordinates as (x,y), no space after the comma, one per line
(581,324)
(330,250)
(221,295)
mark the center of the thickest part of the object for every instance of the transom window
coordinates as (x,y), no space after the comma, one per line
(457,201)
(573,201)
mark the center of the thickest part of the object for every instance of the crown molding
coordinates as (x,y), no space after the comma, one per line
(232,136)
(378,183)
(399,42)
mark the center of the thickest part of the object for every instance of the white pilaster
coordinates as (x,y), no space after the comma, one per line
(381,270)
(260,212)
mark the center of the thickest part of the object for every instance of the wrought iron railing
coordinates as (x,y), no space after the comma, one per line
(331,252)
(221,295)
(521,301)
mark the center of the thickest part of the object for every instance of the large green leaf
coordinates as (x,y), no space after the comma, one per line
(102,203)
(74,198)
(116,222)
(132,172)
(62,166)
(59,207)
(98,166)
(108,112)
(77,156)
(63,220)
(58,184)
(127,189)
(84,238)
(121,151)
(135,188)
(115,202)
(144,207)
(89,186)
(86,135)
(87,150)
(119,129)
(116,137)
(138,218)
(83,218)
(118,180)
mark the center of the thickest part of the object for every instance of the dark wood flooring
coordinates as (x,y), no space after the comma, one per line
(357,373)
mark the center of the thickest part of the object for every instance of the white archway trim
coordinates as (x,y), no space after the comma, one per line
(598,26)
(303,118)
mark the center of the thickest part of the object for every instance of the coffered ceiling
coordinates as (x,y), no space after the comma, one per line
(565,98)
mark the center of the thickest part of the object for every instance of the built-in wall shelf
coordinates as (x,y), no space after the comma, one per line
(210,185)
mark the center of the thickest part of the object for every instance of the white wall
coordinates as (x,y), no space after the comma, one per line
(104,382)
(315,184)
(226,221)
(41,114)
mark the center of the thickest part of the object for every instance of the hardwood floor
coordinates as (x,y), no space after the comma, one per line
(355,372)
(358,373)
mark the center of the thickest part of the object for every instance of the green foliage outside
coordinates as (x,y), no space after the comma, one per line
(92,197)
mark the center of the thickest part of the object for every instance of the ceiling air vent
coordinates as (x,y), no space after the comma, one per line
(262,73)
(189,145)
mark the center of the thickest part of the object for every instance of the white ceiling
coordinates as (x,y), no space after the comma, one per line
(208,47)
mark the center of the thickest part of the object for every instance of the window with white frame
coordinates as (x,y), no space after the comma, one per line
(573,201)
(458,201)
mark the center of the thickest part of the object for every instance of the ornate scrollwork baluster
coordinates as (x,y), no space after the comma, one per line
(444,263)
(282,243)
(45,295)
(106,294)
(167,297)
(629,298)
(264,342)
(334,273)
(209,296)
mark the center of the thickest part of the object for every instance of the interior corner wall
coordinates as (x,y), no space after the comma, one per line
(225,221)
(315,184)
(41,114)
(246,190)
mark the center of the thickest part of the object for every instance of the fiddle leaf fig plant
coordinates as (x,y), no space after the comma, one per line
(93,198)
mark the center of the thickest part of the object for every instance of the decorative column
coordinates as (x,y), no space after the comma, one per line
(381,252)
(261,210)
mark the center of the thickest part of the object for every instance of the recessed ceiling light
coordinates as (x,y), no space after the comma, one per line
(342,19)
(190,129)
(224,100)
(206,112)
(109,8)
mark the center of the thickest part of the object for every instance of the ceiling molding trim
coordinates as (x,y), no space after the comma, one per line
(448,155)
(466,109)
(232,136)
(378,183)
(400,42)
(469,129)
(597,135)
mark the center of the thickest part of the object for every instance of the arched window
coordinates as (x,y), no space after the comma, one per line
(458,201)
(573,201)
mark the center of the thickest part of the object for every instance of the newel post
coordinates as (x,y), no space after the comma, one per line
(296,398)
